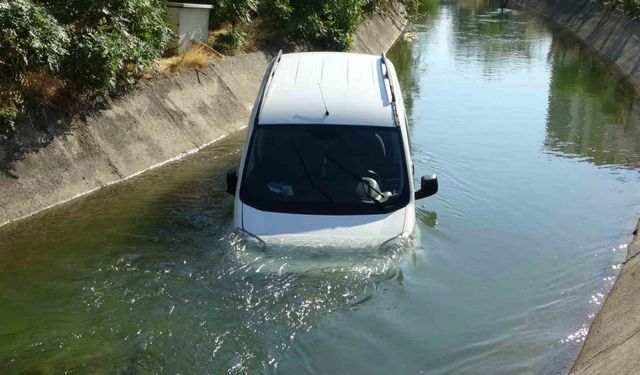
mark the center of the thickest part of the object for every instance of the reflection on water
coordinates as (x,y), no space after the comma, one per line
(404,62)
(511,260)
(593,113)
(483,33)
(428,218)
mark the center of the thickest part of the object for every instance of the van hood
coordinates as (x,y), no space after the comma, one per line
(276,228)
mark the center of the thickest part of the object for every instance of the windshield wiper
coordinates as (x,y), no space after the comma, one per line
(310,178)
(359,180)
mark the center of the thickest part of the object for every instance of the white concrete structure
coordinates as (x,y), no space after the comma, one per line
(189,22)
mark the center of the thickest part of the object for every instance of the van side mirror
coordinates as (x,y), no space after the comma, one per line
(428,186)
(232,180)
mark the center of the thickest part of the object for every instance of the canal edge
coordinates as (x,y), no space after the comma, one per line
(613,342)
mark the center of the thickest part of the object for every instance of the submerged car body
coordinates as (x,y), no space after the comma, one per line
(327,158)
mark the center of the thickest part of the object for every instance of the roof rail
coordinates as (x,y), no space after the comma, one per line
(385,74)
(276,61)
(274,64)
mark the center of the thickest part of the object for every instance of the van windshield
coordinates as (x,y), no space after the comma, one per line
(325,170)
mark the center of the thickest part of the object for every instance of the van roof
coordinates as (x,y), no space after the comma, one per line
(352,86)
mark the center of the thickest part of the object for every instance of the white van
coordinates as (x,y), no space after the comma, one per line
(328,158)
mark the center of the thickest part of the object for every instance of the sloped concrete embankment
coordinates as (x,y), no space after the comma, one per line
(378,33)
(613,343)
(159,122)
(611,32)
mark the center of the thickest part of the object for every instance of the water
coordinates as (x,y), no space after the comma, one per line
(537,145)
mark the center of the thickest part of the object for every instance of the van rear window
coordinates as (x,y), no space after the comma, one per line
(325,170)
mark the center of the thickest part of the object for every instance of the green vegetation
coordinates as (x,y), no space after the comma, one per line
(113,41)
(57,54)
(631,7)
(302,24)
(323,24)
(7,122)
(33,39)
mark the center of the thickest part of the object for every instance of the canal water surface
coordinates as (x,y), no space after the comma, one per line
(536,143)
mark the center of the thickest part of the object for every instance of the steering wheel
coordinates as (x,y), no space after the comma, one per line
(373,174)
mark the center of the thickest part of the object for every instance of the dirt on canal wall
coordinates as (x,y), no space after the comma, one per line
(613,343)
(159,122)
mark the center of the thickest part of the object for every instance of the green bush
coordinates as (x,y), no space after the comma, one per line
(232,11)
(232,41)
(278,11)
(631,7)
(92,44)
(103,60)
(7,122)
(341,20)
(240,10)
(30,39)
(322,24)
(113,40)
(143,19)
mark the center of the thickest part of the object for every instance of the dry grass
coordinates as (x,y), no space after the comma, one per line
(196,56)
(40,89)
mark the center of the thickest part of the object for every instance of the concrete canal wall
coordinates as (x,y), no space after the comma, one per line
(613,344)
(609,31)
(159,122)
